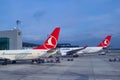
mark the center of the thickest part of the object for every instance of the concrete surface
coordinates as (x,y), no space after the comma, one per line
(86,67)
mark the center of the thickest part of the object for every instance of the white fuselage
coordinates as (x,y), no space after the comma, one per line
(22,54)
(90,50)
(64,51)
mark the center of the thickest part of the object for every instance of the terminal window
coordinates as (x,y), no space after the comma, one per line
(19,33)
(4,43)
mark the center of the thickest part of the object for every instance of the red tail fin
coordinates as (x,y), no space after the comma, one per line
(105,42)
(51,41)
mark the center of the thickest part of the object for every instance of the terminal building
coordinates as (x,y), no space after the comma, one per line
(11,39)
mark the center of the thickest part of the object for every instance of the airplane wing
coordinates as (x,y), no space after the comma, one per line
(75,51)
(50,53)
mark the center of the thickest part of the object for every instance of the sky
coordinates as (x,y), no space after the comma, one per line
(82,22)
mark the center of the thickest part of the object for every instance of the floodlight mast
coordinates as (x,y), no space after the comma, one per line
(18,22)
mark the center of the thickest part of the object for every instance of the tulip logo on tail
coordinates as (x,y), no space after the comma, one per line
(51,42)
(105,42)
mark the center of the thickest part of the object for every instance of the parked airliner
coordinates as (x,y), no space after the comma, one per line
(81,50)
(32,54)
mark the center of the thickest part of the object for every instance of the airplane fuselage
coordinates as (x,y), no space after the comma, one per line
(21,54)
(64,51)
(90,50)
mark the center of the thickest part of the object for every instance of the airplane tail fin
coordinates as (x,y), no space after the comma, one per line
(51,41)
(105,42)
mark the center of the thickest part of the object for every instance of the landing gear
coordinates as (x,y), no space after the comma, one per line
(70,59)
(41,60)
(35,61)
(13,62)
(75,55)
(5,62)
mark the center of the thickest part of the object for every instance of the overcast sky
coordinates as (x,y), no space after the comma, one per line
(82,21)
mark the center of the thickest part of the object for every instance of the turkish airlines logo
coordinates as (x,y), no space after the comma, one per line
(51,42)
(106,41)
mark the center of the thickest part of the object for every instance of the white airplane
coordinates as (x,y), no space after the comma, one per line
(32,54)
(81,50)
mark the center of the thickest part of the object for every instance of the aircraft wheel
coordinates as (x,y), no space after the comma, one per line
(72,59)
(34,61)
(5,62)
(13,62)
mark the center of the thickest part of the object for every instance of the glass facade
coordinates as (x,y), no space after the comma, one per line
(4,43)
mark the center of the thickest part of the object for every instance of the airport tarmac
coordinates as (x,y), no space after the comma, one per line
(86,67)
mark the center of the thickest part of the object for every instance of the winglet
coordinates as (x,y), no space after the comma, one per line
(105,42)
(51,41)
